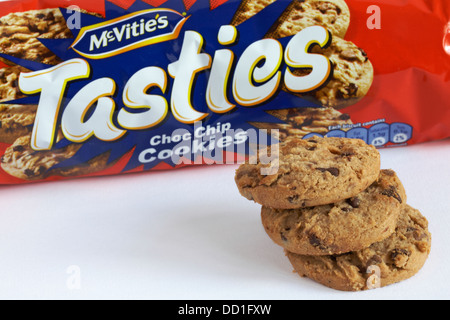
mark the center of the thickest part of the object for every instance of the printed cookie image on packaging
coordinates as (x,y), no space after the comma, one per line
(106,87)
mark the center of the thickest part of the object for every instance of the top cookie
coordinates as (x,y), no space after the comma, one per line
(310,172)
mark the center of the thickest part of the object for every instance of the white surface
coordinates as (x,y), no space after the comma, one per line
(187,234)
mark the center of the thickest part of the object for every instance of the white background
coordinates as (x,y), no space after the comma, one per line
(188,234)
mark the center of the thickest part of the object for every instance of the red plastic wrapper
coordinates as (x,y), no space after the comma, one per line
(109,87)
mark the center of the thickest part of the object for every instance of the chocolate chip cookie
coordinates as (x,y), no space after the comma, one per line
(310,172)
(353,72)
(20,33)
(25,163)
(303,121)
(332,14)
(351,79)
(9,88)
(344,226)
(249,8)
(394,259)
(16,121)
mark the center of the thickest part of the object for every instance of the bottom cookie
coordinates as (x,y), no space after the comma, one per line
(397,258)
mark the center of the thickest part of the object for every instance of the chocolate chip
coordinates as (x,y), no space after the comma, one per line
(364,54)
(292,112)
(29,172)
(348,55)
(283,238)
(292,199)
(417,234)
(18,148)
(344,116)
(396,252)
(333,171)
(352,89)
(306,122)
(400,257)
(376,259)
(347,154)
(50,16)
(389,172)
(314,240)
(299,6)
(354,202)
(311,148)
(348,92)
(41,169)
(33,28)
(323,7)
(391,191)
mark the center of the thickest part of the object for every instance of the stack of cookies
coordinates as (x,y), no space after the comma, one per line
(341,220)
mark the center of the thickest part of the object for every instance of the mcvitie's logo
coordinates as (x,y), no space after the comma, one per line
(129,32)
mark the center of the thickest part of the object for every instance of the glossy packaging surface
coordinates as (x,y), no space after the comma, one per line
(109,87)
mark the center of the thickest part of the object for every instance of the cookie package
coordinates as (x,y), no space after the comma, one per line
(103,87)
